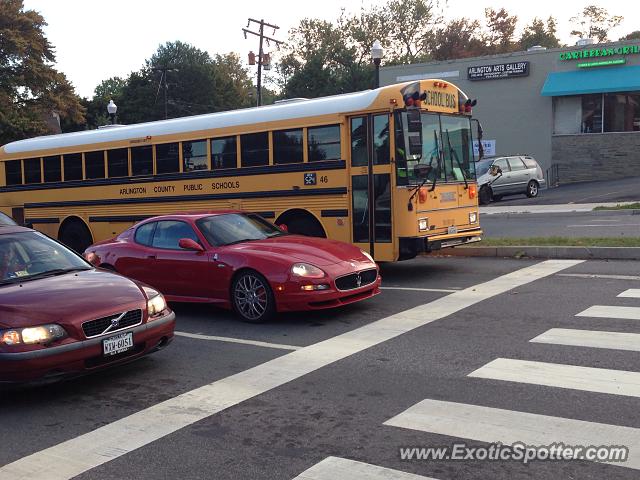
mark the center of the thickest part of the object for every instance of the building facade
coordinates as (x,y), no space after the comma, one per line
(575,109)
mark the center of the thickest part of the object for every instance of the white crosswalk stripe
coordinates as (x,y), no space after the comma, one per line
(602,380)
(631,293)
(590,338)
(607,311)
(487,424)
(335,468)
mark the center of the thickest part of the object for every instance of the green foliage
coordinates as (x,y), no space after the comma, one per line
(500,29)
(537,33)
(635,35)
(460,38)
(594,22)
(30,88)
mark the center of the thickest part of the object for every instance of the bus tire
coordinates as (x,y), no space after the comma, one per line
(532,189)
(484,197)
(75,235)
(301,223)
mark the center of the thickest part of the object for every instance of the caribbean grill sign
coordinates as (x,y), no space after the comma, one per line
(499,70)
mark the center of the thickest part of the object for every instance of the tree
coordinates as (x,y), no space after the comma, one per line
(30,88)
(631,36)
(500,30)
(594,22)
(460,38)
(537,33)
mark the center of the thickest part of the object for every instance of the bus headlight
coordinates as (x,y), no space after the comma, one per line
(473,217)
(423,224)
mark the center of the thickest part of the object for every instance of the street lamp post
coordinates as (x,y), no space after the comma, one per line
(112,108)
(376,55)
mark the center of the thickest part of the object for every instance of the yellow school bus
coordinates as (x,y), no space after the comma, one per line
(390,170)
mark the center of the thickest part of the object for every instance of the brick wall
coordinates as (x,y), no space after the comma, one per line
(606,156)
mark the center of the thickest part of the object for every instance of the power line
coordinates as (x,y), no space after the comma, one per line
(163,76)
(263,37)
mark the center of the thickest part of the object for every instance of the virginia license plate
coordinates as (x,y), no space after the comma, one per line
(452,229)
(117,344)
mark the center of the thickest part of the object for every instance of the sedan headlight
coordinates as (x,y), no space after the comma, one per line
(368,255)
(32,335)
(156,304)
(307,271)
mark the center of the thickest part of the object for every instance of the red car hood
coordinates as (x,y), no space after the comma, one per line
(68,299)
(317,251)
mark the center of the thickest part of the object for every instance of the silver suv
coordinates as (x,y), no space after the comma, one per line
(512,175)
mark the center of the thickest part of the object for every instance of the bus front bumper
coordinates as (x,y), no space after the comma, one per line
(413,246)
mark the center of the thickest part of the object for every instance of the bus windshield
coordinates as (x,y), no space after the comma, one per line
(446,147)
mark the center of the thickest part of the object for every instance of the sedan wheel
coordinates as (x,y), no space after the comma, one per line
(532,189)
(252,297)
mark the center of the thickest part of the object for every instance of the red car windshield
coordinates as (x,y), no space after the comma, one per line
(29,255)
(233,228)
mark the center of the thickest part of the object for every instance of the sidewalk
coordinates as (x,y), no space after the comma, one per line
(565,208)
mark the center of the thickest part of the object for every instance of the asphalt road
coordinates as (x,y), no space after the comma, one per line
(625,190)
(613,223)
(329,388)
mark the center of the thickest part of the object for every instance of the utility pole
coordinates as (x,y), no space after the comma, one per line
(263,37)
(163,77)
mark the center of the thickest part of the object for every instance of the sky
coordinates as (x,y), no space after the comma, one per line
(95,40)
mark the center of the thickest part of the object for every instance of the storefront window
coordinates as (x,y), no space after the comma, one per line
(591,114)
(622,112)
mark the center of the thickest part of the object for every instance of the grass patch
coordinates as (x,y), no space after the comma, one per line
(630,206)
(561,242)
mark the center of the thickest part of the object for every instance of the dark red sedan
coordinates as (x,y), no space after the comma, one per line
(59,315)
(239,260)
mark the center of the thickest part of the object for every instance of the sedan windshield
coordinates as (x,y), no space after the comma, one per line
(29,255)
(233,228)
(482,167)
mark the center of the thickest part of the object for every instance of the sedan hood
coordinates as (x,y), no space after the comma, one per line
(68,299)
(317,251)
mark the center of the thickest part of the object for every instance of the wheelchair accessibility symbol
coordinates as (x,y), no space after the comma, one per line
(310,179)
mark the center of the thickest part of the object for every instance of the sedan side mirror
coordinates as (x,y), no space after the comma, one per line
(190,244)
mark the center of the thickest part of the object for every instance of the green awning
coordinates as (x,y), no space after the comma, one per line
(597,80)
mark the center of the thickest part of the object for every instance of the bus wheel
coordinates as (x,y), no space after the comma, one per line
(485,195)
(75,235)
(302,224)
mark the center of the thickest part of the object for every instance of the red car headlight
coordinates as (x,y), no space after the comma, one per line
(32,335)
(306,270)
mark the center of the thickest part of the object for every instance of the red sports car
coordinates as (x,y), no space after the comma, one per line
(59,315)
(239,260)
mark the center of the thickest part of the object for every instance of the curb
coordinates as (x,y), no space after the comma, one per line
(570,253)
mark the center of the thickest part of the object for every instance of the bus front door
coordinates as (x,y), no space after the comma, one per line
(371,185)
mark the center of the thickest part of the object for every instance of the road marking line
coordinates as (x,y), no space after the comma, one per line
(591,275)
(606,311)
(631,293)
(495,425)
(73,457)
(590,338)
(606,225)
(588,379)
(411,289)
(237,340)
(332,468)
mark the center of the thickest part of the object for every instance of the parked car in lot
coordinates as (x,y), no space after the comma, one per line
(59,315)
(239,260)
(512,175)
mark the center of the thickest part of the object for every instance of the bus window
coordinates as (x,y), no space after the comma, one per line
(94,164)
(32,170)
(142,160)
(118,162)
(381,139)
(52,169)
(168,158)
(13,172)
(223,153)
(73,166)
(324,143)
(194,155)
(254,149)
(287,146)
(359,156)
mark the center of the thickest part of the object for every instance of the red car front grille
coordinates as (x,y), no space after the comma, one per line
(112,323)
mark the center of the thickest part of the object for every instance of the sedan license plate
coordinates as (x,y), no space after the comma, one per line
(452,229)
(117,344)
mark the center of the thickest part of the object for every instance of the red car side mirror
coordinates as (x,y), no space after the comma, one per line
(190,244)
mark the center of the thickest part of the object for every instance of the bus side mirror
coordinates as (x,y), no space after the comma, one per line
(414,132)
